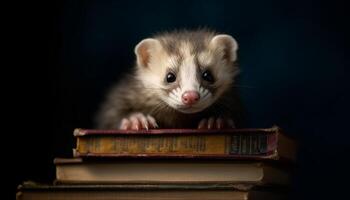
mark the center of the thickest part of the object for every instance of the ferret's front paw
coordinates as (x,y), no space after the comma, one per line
(216,123)
(138,121)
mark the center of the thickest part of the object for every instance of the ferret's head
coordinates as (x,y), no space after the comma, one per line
(187,70)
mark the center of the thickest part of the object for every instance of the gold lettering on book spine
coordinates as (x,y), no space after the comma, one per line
(189,144)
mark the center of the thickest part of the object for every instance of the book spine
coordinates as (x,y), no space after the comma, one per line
(225,145)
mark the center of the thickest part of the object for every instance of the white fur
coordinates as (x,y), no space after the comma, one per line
(188,70)
(188,82)
(152,75)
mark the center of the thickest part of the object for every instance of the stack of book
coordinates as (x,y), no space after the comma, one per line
(172,164)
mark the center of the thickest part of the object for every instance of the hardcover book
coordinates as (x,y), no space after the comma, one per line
(78,171)
(269,143)
(34,191)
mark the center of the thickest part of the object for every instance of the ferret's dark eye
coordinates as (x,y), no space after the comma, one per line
(207,76)
(170,77)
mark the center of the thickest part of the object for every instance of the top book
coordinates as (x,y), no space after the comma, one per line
(254,143)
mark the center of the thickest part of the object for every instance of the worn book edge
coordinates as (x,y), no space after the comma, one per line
(82,132)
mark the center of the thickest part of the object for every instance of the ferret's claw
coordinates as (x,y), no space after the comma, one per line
(203,124)
(152,122)
(135,122)
(138,121)
(216,123)
(211,123)
(125,124)
(220,123)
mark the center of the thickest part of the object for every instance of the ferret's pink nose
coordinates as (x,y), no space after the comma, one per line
(190,97)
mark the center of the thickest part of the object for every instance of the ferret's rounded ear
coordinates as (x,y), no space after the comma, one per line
(227,45)
(144,51)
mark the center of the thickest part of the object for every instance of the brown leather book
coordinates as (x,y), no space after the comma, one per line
(161,171)
(34,191)
(268,143)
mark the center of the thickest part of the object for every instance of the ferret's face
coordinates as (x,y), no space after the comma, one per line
(187,76)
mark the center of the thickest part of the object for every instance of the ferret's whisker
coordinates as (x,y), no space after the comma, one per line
(157,108)
(153,92)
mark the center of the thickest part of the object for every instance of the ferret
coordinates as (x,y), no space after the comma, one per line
(182,79)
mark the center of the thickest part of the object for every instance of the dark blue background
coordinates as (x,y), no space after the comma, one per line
(292,58)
